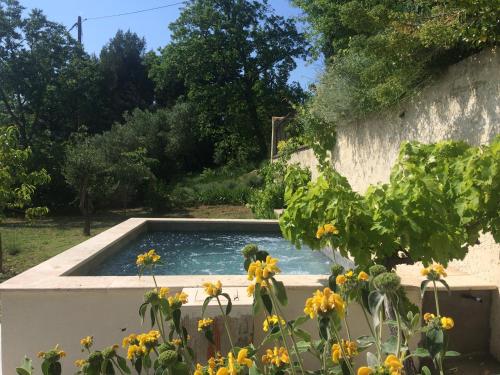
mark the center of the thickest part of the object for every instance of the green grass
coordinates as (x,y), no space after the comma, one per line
(28,244)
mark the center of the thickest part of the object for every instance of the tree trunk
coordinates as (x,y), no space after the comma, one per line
(85,208)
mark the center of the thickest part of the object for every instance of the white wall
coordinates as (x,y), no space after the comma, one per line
(463,104)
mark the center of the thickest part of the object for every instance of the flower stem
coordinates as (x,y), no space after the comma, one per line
(271,294)
(226,324)
(344,354)
(371,330)
(436,298)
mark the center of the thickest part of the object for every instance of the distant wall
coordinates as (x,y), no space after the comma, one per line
(463,104)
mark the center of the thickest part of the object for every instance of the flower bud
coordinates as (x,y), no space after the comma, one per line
(387,282)
(250,250)
(167,358)
(376,270)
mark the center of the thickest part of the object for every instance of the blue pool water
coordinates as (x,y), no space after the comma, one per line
(211,253)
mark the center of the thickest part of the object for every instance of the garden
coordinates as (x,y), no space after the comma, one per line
(155,163)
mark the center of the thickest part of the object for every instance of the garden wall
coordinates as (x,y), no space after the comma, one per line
(464,103)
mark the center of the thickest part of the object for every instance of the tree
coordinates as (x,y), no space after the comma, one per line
(125,75)
(378,52)
(87,172)
(231,59)
(440,197)
(17,183)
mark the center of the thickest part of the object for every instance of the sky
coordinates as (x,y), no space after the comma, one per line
(152,25)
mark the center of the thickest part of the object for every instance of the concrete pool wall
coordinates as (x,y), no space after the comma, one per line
(54,303)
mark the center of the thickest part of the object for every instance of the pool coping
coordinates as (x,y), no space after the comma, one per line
(54,273)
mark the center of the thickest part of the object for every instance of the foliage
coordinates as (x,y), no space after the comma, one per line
(438,200)
(126,82)
(232,60)
(378,52)
(17,183)
(271,194)
(165,348)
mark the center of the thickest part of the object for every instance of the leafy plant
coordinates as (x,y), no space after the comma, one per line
(439,198)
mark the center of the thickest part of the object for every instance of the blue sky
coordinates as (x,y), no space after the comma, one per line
(152,25)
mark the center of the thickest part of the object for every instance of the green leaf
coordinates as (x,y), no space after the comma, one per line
(268,303)
(122,363)
(180,368)
(421,352)
(371,359)
(26,367)
(257,300)
(302,334)
(425,370)
(280,290)
(390,346)
(176,317)
(300,320)
(445,284)
(229,305)
(152,316)
(451,353)
(138,365)
(205,304)
(434,341)
(261,255)
(142,311)
(423,287)
(323,327)
(365,342)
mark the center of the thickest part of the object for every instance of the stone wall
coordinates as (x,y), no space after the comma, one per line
(463,104)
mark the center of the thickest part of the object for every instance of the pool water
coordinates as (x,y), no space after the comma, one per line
(211,253)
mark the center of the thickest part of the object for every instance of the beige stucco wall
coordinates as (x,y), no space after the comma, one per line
(464,103)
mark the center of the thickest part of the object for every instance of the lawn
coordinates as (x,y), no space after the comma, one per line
(28,244)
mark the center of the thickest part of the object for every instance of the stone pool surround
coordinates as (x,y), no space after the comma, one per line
(54,302)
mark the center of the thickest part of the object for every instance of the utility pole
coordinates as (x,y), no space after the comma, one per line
(79,25)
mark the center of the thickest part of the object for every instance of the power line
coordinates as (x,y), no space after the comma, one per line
(134,12)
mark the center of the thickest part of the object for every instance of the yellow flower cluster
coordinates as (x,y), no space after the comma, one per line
(429,317)
(163,292)
(178,298)
(213,290)
(218,366)
(272,321)
(261,271)
(87,342)
(323,303)
(147,258)
(349,275)
(350,349)
(135,351)
(81,362)
(251,288)
(447,323)
(326,229)
(204,323)
(277,357)
(436,270)
(54,354)
(393,365)
(139,345)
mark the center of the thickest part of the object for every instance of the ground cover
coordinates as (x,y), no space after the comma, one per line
(27,244)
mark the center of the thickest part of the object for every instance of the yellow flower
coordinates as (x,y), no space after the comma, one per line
(222,371)
(87,342)
(135,351)
(447,323)
(148,258)
(163,292)
(181,298)
(261,271)
(276,356)
(349,274)
(250,290)
(80,362)
(199,369)
(130,339)
(177,342)
(213,290)
(204,323)
(340,279)
(350,349)
(331,229)
(363,276)
(365,371)
(320,232)
(393,364)
(272,321)
(149,340)
(428,317)
(243,359)
(434,271)
(324,302)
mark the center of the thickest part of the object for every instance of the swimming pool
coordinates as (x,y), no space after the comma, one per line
(210,253)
